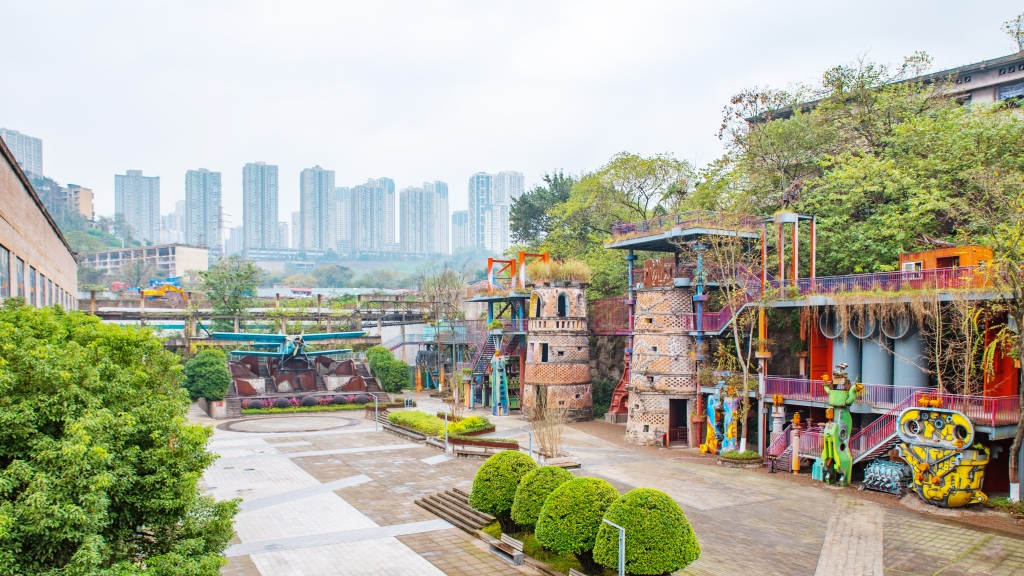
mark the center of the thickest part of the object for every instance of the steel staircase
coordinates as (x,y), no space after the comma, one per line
(483,358)
(879,436)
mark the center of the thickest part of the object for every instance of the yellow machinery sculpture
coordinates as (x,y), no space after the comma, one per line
(947,469)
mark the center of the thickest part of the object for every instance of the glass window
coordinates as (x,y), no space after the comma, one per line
(5,272)
(49,293)
(42,289)
(19,270)
(31,285)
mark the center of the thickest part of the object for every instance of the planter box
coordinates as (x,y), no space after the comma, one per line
(479,432)
(731,463)
(216,409)
(483,442)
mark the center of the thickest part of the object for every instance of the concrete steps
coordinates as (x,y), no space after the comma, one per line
(453,506)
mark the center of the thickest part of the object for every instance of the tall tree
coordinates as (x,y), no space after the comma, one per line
(529,221)
(231,284)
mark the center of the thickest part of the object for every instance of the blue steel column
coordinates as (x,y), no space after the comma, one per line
(699,276)
(631,304)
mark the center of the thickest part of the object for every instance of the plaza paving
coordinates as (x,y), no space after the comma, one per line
(326,494)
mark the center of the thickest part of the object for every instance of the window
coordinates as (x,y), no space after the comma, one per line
(561,352)
(1011,91)
(42,289)
(536,308)
(49,292)
(563,305)
(31,285)
(5,273)
(19,270)
(543,352)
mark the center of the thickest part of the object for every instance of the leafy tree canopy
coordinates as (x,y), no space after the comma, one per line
(98,464)
(230,284)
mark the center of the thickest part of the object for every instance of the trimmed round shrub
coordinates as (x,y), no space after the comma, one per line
(362,399)
(533,490)
(339,399)
(571,517)
(282,403)
(257,404)
(207,375)
(310,401)
(494,486)
(659,539)
(393,375)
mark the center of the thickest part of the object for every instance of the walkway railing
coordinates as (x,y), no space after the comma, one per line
(514,324)
(959,278)
(777,448)
(814,391)
(811,442)
(692,219)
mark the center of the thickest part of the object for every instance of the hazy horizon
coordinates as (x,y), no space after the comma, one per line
(423,91)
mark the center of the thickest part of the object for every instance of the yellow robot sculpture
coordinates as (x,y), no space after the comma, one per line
(947,468)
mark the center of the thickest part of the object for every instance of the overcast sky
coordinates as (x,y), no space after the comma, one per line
(424,90)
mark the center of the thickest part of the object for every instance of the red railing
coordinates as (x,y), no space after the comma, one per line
(811,442)
(514,324)
(608,316)
(776,449)
(963,277)
(982,410)
(692,219)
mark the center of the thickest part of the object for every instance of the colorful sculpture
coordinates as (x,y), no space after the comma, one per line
(836,463)
(723,406)
(937,444)
(716,431)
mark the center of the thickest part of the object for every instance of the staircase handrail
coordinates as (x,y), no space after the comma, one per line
(880,431)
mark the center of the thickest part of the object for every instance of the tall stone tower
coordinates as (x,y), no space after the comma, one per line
(663,379)
(557,353)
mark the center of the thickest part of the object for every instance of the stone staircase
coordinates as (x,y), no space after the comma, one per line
(453,506)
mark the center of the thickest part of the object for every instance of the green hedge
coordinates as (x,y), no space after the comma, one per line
(572,514)
(737,455)
(393,375)
(417,420)
(207,375)
(494,486)
(533,490)
(659,539)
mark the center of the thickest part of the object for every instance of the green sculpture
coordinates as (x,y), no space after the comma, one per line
(836,461)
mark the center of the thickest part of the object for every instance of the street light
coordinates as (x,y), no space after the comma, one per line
(622,546)
(530,434)
(376,423)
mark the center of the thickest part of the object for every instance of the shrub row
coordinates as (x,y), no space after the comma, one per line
(567,513)
(393,375)
(433,426)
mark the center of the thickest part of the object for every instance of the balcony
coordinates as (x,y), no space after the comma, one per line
(991,411)
(705,219)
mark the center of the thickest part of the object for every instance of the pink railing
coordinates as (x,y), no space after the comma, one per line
(692,219)
(959,278)
(777,447)
(982,410)
(608,316)
(811,442)
(514,324)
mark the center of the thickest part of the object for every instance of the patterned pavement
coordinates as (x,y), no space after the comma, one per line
(338,499)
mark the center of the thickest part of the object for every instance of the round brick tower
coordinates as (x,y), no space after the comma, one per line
(663,380)
(557,353)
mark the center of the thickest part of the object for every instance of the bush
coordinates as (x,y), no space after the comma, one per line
(466,425)
(418,421)
(378,352)
(362,399)
(495,483)
(207,375)
(533,490)
(257,404)
(737,455)
(282,403)
(339,399)
(659,538)
(393,375)
(310,401)
(571,517)
(96,444)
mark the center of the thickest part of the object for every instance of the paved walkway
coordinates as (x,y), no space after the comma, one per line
(332,496)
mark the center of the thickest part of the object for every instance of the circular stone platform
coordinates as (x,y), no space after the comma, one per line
(290,424)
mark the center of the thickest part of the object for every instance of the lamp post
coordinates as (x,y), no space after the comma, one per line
(622,545)
(376,423)
(530,434)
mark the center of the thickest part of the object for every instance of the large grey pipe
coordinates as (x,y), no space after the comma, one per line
(848,350)
(876,360)
(910,365)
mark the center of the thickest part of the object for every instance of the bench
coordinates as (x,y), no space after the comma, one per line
(508,548)
(564,462)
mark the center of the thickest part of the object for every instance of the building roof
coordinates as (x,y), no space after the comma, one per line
(9,158)
(948,74)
